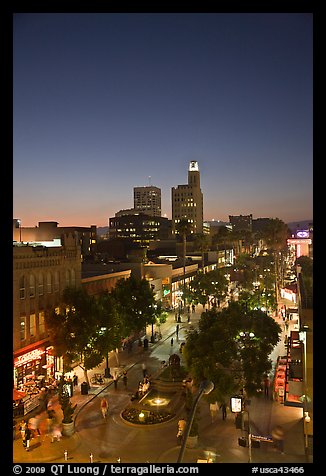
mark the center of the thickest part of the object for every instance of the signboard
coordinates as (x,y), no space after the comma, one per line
(302,234)
(29,357)
(299,241)
(236,404)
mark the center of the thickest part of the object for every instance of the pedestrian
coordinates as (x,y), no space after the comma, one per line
(22,428)
(104,407)
(181,429)
(193,307)
(223,408)
(115,380)
(278,438)
(177,329)
(213,408)
(56,433)
(75,380)
(125,379)
(176,317)
(266,386)
(143,365)
(27,438)
(172,342)
(34,426)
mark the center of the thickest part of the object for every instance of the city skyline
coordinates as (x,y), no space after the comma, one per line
(107,102)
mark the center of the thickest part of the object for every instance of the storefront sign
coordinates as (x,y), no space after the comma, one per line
(29,357)
(236,404)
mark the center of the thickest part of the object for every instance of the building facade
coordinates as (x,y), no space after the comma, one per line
(148,200)
(241,222)
(40,274)
(141,228)
(187,201)
(49,230)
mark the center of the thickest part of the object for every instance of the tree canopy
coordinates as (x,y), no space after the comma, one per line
(231,348)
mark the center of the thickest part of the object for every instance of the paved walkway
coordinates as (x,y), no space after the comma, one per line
(220,437)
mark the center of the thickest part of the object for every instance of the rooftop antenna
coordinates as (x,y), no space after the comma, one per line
(149,180)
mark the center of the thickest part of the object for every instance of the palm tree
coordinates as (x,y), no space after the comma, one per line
(202,243)
(183,228)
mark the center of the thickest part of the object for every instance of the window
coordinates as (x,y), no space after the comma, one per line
(31,285)
(49,282)
(32,325)
(73,278)
(41,322)
(22,287)
(22,327)
(56,281)
(40,284)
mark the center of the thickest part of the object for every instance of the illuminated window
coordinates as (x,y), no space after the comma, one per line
(56,282)
(49,282)
(41,322)
(22,327)
(32,325)
(31,285)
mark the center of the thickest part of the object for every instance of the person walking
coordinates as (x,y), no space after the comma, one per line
(266,386)
(115,380)
(22,428)
(125,379)
(223,408)
(143,365)
(56,433)
(181,429)
(27,438)
(75,380)
(278,438)
(104,407)
(213,408)
(172,342)
(34,426)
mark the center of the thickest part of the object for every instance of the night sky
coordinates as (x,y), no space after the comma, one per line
(106,102)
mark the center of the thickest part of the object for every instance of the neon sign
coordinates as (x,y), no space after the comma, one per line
(29,357)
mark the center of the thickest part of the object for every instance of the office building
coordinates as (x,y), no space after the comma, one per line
(187,201)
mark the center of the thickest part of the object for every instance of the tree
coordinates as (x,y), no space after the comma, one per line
(183,228)
(74,331)
(275,234)
(231,348)
(135,304)
(211,284)
(202,243)
(65,402)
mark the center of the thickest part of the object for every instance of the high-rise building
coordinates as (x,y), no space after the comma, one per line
(148,200)
(187,201)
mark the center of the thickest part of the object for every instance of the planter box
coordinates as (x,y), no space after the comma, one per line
(68,429)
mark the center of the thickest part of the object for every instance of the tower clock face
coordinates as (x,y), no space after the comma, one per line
(193,166)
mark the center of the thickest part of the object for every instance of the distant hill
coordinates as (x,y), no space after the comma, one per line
(102,230)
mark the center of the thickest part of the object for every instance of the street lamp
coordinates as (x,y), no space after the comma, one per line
(205,388)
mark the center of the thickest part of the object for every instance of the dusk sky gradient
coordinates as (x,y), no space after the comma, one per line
(104,101)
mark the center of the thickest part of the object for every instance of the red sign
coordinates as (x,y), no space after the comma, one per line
(29,357)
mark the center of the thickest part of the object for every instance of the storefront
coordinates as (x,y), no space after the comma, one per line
(33,362)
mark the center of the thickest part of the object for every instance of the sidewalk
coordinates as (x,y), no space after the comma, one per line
(41,448)
(264,414)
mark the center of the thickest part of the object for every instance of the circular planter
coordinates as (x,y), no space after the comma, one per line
(68,429)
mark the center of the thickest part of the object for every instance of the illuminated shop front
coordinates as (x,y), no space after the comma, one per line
(33,362)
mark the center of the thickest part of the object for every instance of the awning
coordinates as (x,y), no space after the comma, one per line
(18,395)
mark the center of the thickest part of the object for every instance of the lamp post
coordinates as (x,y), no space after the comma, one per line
(205,388)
